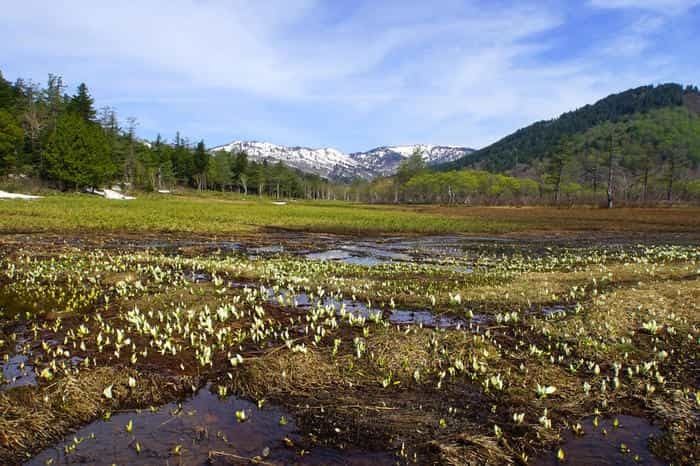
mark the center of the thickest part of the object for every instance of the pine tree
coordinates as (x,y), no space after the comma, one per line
(11,137)
(7,94)
(77,154)
(201,163)
(83,104)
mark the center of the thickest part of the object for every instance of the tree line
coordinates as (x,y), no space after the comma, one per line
(48,134)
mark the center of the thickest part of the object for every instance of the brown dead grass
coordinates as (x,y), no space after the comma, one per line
(32,418)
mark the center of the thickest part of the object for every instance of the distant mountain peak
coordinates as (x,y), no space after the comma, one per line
(333,163)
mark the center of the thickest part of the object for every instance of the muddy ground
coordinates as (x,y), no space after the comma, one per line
(339,350)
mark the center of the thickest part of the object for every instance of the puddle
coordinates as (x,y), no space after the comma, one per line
(173,245)
(357,254)
(482,320)
(463,269)
(423,318)
(189,435)
(198,277)
(596,448)
(426,319)
(302,300)
(558,310)
(16,372)
(424,250)
(276,249)
(366,261)
(332,255)
(374,251)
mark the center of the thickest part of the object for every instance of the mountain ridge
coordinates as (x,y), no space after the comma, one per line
(332,163)
(540,138)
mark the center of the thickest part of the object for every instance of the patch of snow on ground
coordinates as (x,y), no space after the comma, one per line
(110,194)
(6,195)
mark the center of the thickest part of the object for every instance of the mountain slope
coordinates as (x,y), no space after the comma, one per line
(383,161)
(318,161)
(334,164)
(540,138)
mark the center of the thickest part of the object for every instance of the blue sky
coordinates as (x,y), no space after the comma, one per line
(349,74)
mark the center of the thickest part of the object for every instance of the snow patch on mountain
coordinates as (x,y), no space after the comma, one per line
(332,163)
(384,161)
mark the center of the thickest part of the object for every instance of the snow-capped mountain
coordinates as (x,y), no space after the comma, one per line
(384,161)
(319,161)
(332,163)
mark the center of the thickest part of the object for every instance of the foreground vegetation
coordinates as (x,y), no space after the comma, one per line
(511,356)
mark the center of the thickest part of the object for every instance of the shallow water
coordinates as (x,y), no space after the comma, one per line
(175,244)
(204,424)
(331,255)
(602,445)
(302,300)
(18,369)
(421,317)
(425,318)
(366,261)
(558,310)
(376,252)
(198,277)
(14,375)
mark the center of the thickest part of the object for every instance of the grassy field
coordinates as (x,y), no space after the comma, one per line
(222,215)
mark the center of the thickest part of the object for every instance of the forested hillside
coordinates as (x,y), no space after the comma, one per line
(60,139)
(638,146)
(535,141)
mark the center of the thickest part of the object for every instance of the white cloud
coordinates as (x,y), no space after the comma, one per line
(661,6)
(636,38)
(417,71)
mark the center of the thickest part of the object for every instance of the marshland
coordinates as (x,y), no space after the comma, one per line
(533,336)
(297,232)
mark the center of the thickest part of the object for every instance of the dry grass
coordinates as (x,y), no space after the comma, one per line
(32,418)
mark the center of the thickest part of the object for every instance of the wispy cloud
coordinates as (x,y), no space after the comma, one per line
(350,74)
(662,6)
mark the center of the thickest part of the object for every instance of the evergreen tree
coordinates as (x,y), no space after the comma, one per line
(77,154)
(55,101)
(555,166)
(83,104)
(201,163)
(7,94)
(11,136)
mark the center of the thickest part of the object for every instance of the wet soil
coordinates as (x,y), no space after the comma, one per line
(607,445)
(200,431)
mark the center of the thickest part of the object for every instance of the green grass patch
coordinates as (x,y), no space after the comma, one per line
(224,215)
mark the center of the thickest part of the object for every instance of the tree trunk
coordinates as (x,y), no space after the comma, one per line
(671,175)
(557,188)
(610,175)
(595,176)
